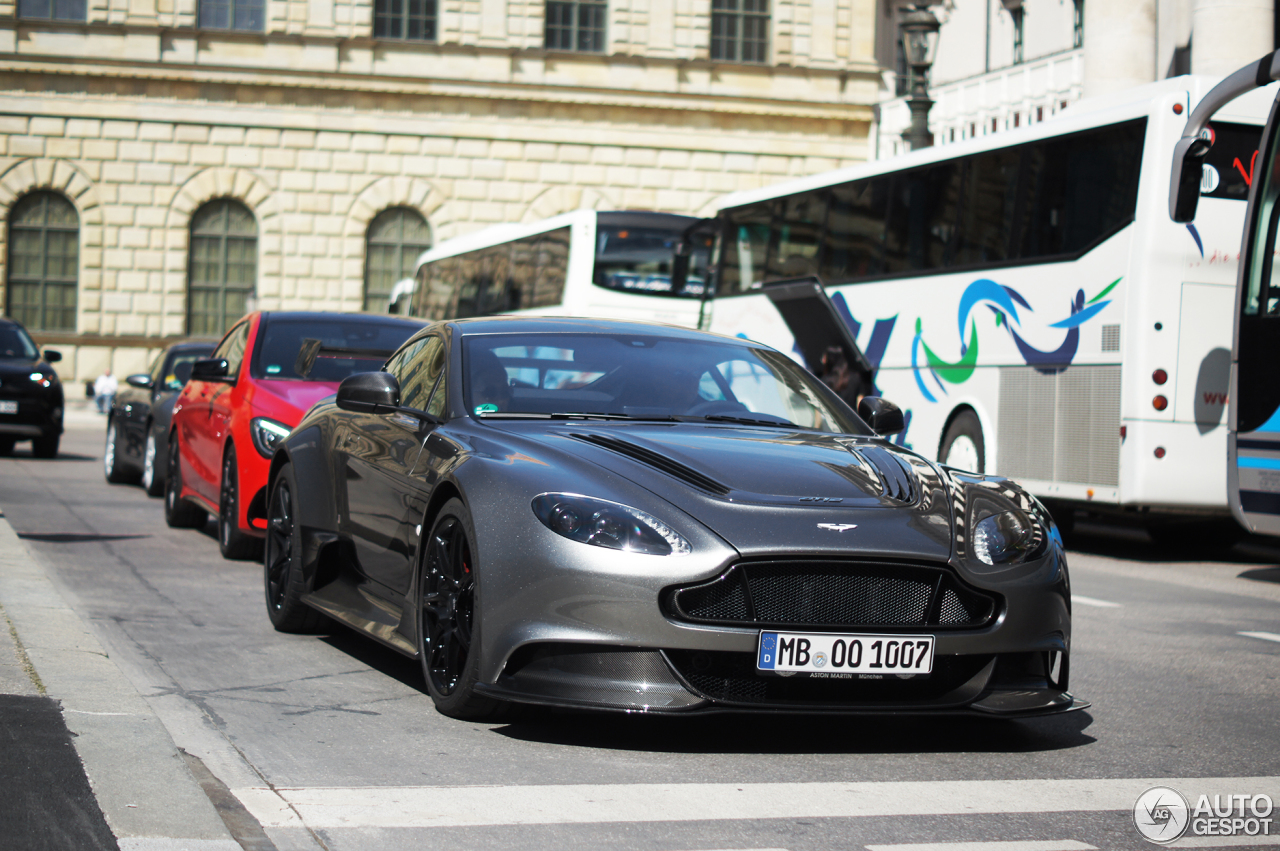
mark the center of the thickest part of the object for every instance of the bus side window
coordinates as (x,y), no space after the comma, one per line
(986,219)
(797,228)
(746,241)
(854,240)
(553,268)
(920,227)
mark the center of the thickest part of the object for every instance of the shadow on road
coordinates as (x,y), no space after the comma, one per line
(763,734)
(74,537)
(1113,539)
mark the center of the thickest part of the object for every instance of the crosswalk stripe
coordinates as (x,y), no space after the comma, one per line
(1000,845)
(1223,841)
(469,806)
(1265,636)
(1094,601)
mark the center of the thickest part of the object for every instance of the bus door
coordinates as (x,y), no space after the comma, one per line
(1253,437)
(824,340)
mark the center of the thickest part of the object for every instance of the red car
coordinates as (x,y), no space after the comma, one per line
(242,401)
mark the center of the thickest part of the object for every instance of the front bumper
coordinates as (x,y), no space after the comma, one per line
(37,416)
(678,682)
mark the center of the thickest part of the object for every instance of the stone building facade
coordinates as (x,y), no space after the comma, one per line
(158,122)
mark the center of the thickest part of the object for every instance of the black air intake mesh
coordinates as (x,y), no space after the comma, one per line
(833,594)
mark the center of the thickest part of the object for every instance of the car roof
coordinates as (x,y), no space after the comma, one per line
(193,344)
(582,325)
(366,318)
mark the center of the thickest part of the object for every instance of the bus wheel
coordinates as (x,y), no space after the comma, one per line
(962,446)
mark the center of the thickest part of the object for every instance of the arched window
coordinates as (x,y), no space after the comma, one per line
(224,266)
(395,239)
(44,259)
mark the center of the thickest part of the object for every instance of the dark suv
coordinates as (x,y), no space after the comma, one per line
(30,393)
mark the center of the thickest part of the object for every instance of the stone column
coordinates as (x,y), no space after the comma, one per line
(1226,34)
(1119,45)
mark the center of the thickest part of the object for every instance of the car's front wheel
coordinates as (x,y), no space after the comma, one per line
(233,543)
(151,478)
(179,513)
(46,447)
(449,619)
(282,562)
(113,466)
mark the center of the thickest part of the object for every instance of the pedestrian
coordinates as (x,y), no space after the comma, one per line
(104,391)
(837,374)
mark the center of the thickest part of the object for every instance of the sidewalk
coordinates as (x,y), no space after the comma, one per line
(103,771)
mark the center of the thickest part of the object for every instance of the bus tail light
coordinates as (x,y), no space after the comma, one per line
(1160,452)
(1159,376)
(1160,403)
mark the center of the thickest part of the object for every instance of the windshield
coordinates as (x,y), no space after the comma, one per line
(645,377)
(14,343)
(277,353)
(638,259)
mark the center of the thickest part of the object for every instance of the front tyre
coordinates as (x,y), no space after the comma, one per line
(449,619)
(282,561)
(152,481)
(178,513)
(113,466)
(233,543)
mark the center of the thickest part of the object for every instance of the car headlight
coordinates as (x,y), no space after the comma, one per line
(267,435)
(41,379)
(602,523)
(1007,538)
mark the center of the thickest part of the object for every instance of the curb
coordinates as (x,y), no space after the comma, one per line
(147,793)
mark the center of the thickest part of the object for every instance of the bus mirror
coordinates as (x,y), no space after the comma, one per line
(1188,168)
(680,269)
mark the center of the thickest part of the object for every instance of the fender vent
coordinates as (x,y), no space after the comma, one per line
(686,474)
(897,477)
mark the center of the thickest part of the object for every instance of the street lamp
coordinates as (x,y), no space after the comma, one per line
(919,29)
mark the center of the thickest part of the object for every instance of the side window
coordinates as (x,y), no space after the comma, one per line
(232,348)
(418,370)
(553,268)
(855,230)
(797,235)
(154,369)
(440,398)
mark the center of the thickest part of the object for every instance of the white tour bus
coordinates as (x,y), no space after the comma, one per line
(1253,435)
(1023,297)
(614,265)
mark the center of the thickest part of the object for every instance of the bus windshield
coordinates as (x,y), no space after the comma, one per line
(638,259)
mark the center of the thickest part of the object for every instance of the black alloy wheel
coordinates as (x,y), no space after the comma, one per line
(282,562)
(233,543)
(178,513)
(448,618)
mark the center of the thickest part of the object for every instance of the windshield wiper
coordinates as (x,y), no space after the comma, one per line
(734,418)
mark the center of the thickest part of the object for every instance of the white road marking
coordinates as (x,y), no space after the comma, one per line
(1265,636)
(1223,841)
(470,806)
(1094,601)
(1002,845)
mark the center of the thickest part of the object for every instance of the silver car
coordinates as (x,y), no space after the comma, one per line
(637,517)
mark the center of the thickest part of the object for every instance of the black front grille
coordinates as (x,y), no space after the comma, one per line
(732,678)
(832,594)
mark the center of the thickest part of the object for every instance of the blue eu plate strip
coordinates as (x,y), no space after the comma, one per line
(768,648)
(1259,463)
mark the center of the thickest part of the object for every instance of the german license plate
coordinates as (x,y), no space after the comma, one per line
(825,654)
(8,406)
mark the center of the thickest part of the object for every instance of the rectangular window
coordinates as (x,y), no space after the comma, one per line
(238,15)
(1043,201)
(413,20)
(1018,18)
(576,25)
(739,30)
(58,10)
(1077,37)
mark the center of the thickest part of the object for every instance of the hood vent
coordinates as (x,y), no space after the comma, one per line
(684,473)
(896,476)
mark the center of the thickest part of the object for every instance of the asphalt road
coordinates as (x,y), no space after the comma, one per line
(330,742)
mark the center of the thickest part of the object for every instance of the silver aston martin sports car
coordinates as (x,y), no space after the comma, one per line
(637,517)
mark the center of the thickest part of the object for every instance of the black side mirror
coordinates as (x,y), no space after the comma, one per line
(140,380)
(52,355)
(1188,170)
(210,369)
(369,393)
(883,416)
